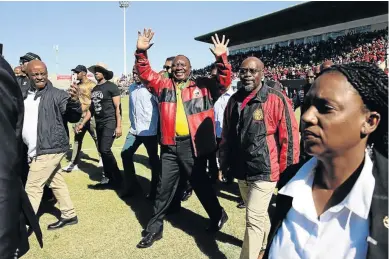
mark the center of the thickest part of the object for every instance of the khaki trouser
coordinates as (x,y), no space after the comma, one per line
(256,196)
(45,170)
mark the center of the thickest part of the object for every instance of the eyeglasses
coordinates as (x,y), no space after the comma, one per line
(166,67)
(251,70)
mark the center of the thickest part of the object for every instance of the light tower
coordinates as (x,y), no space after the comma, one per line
(56,49)
(124,5)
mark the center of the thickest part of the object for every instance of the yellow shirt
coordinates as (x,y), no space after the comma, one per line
(182,128)
(86,93)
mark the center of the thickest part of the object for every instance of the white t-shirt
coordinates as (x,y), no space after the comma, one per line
(30,123)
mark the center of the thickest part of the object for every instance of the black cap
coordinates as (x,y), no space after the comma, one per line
(80,68)
(29,57)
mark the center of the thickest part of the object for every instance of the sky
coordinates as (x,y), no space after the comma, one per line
(91,32)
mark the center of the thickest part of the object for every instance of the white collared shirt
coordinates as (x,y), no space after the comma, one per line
(30,122)
(143,111)
(219,107)
(340,232)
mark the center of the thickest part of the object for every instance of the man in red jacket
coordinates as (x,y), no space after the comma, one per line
(187,130)
(259,140)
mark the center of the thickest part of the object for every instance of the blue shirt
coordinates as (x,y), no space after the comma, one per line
(143,111)
(219,108)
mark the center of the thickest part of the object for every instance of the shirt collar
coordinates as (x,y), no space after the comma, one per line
(358,200)
(230,91)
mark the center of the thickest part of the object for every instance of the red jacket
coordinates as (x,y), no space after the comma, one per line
(198,99)
(261,140)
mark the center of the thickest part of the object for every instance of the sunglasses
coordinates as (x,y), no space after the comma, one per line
(251,70)
(166,67)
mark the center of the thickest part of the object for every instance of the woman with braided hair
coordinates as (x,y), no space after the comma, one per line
(336,204)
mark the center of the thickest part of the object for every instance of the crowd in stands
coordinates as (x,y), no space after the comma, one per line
(295,60)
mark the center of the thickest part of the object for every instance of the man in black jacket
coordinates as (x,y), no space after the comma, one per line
(47,111)
(15,208)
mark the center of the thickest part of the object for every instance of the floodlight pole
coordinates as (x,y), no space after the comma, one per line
(56,49)
(124,5)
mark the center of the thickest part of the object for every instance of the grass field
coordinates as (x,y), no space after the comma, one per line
(110,227)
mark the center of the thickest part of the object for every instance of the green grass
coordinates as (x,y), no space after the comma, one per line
(110,227)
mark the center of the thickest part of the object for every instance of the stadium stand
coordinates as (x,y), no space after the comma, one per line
(309,34)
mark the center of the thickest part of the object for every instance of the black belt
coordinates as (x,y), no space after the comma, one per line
(182,138)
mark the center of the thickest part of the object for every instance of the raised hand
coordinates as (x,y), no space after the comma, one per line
(144,40)
(220,47)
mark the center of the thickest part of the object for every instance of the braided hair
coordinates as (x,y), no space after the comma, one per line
(372,85)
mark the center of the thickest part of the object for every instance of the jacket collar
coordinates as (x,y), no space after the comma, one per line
(262,93)
(39,93)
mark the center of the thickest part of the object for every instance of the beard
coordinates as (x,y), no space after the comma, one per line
(248,88)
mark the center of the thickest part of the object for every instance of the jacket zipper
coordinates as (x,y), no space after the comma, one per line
(37,130)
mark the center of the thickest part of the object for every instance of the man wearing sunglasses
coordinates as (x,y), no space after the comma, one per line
(22,79)
(167,68)
(85,85)
(259,140)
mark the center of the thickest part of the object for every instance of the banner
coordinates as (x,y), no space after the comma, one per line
(69,77)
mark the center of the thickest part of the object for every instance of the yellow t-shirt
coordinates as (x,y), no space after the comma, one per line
(182,128)
(86,93)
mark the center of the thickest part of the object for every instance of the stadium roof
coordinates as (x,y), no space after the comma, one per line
(301,17)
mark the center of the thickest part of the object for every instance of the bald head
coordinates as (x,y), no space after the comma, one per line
(255,60)
(251,74)
(37,72)
(35,64)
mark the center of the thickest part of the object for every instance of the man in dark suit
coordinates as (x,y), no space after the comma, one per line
(15,209)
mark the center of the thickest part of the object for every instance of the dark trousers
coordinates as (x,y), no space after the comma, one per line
(176,160)
(130,146)
(105,139)
(90,126)
(213,169)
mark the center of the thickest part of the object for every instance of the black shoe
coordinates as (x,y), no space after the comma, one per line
(186,195)
(241,205)
(63,222)
(149,239)
(216,227)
